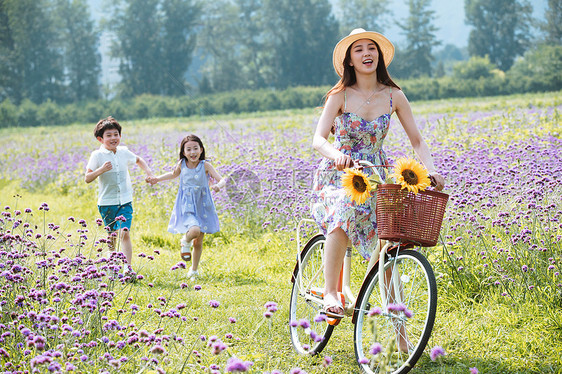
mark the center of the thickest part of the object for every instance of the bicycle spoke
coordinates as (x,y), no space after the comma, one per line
(307,335)
(406,315)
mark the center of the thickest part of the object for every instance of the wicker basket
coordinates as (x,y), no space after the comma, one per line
(403,215)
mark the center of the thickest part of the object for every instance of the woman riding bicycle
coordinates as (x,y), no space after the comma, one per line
(357,111)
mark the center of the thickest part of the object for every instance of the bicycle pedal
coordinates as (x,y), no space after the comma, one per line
(333,321)
(318,292)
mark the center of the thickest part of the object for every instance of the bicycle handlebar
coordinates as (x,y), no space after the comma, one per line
(367,164)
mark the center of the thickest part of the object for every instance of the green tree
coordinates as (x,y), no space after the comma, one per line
(552,25)
(180,19)
(538,70)
(31,60)
(368,14)
(222,37)
(154,42)
(451,52)
(300,37)
(500,29)
(446,57)
(415,59)
(136,24)
(264,43)
(254,58)
(419,30)
(80,44)
(8,81)
(475,68)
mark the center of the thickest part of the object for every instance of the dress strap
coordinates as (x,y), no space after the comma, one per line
(345,100)
(390,89)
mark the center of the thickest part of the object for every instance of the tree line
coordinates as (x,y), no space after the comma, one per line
(49,49)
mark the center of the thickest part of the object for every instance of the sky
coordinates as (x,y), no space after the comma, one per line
(449,18)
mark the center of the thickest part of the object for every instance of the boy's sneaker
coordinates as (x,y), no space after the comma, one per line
(130,273)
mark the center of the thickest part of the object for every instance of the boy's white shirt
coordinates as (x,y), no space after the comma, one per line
(114,186)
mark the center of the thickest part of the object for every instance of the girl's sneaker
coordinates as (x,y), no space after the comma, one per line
(192,273)
(185,252)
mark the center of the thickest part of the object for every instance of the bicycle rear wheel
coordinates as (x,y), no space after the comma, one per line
(402,331)
(309,334)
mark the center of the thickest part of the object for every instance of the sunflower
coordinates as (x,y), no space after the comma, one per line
(411,175)
(356,185)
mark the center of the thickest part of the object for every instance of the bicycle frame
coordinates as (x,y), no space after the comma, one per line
(348,294)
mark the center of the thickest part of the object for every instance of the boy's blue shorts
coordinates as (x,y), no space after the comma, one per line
(109,214)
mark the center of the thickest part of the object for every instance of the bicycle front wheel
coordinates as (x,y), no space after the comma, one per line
(309,331)
(391,339)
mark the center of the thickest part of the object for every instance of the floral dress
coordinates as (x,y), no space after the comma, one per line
(331,207)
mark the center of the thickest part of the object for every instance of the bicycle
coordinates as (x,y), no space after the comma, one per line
(394,311)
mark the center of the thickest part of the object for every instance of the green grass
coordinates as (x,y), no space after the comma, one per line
(244,267)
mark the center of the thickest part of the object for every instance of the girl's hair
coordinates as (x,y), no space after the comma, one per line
(192,138)
(349,78)
(105,124)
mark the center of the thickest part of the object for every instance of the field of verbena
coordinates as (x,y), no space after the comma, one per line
(65,307)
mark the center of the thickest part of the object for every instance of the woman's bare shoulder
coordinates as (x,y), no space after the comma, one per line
(337,96)
(399,96)
(335,102)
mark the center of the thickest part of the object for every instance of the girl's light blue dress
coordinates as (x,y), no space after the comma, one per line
(194,203)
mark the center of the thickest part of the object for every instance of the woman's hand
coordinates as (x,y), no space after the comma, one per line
(343,161)
(439,180)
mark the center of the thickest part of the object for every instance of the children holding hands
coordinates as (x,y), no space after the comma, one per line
(194,213)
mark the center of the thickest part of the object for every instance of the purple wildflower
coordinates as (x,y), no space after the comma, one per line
(375,349)
(436,352)
(271,306)
(304,323)
(374,311)
(158,349)
(320,318)
(235,365)
(217,347)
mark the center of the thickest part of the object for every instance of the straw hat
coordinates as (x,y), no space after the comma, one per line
(386,46)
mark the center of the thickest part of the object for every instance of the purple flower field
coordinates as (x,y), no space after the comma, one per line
(66,305)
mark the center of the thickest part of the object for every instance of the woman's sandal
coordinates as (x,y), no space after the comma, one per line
(185,250)
(331,303)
